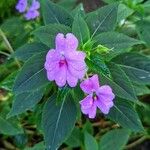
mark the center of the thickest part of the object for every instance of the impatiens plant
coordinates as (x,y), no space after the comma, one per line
(78,76)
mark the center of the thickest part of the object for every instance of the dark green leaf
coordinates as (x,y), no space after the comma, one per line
(121,79)
(80,29)
(117,42)
(136,66)
(32,76)
(28,50)
(90,142)
(75,139)
(47,34)
(58,121)
(9,128)
(116,139)
(39,146)
(53,13)
(143,29)
(125,115)
(103,19)
(25,101)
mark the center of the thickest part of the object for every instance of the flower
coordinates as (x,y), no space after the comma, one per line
(32,12)
(21,6)
(99,96)
(65,64)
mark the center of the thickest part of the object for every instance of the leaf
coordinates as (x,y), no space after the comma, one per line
(121,79)
(102,20)
(90,142)
(25,101)
(143,29)
(32,75)
(47,34)
(75,139)
(38,146)
(28,50)
(80,29)
(53,13)
(8,82)
(116,139)
(125,115)
(9,128)
(123,12)
(117,42)
(136,66)
(58,121)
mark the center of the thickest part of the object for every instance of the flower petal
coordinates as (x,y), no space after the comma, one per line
(105,98)
(61,76)
(90,85)
(71,80)
(87,102)
(71,42)
(60,42)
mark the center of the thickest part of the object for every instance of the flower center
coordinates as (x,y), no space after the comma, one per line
(62,62)
(95,97)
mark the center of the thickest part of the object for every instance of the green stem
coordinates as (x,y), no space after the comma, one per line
(10,49)
(4,53)
(137,142)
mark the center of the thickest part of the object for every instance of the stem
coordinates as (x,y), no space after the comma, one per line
(4,53)
(10,49)
(137,142)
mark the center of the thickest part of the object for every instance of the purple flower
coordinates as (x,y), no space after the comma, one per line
(21,6)
(99,96)
(64,64)
(33,12)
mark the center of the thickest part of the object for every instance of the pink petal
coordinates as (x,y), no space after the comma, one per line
(105,98)
(75,56)
(52,55)
(90,85)
(71,80)
(71,42)
(50,65)
(61,76)
(91,112)
(60,42)
(87,102)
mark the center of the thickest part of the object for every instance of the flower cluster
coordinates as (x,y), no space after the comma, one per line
(66,65)
(31,12)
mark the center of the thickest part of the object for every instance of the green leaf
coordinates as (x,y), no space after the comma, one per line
(143,29)
(102,20)
(123,12)
(117,42)
(8,82)
(32,75)
(62,93)
(141,89)
(58,121)
(53,13)
(75,139)
(125,115)
(25,101)
(9,127)
(121,79)
(90,142)
(136,66)
(47,34)
(39,146)
(28,50)
(116,139)
(80,29)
